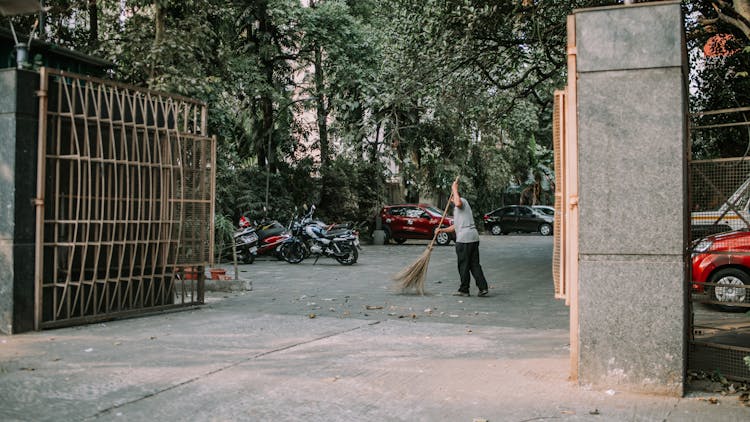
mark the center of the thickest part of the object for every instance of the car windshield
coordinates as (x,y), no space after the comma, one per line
(434,211)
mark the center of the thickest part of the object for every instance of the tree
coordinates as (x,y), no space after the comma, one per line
(455,67)
(720,63)
(735,13)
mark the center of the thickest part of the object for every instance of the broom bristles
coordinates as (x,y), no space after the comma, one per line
(413,276)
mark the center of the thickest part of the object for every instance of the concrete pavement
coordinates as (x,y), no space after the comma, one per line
(332,343)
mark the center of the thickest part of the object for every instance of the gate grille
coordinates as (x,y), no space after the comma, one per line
(125,200)
(719,282)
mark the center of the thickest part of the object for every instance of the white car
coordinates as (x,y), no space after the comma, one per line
(733,214)
(546,209)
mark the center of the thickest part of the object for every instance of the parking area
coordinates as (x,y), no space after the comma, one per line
(518,269)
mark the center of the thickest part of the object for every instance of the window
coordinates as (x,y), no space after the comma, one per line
(525,212)
(414,212)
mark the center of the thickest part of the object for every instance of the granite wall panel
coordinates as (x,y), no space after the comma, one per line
(632,198)
(631,152)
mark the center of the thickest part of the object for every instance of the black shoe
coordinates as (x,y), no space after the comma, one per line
(483,293)
(460,294)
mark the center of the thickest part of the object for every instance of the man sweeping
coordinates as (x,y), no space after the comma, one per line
(467,244)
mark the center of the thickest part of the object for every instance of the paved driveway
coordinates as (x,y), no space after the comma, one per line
(332,343)
(518,268)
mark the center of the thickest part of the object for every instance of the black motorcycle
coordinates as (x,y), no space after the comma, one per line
(313,238)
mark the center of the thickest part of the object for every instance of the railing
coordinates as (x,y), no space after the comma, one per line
(719,256)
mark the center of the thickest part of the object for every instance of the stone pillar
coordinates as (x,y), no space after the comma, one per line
(632,103)
(18,151)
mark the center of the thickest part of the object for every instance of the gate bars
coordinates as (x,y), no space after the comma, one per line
(719,202)
(125,189)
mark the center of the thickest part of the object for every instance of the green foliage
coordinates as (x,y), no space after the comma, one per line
(223,230)
(434,87)
(718,83)
(351,190)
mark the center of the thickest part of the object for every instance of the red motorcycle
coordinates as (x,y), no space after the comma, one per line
(263,238)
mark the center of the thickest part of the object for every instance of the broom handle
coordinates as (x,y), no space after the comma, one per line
(434,236)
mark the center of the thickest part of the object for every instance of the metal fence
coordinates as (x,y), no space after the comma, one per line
(124,200)
(719,255)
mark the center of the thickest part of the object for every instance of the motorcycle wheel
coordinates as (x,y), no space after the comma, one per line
(293,253)
(248,258)
(350,258)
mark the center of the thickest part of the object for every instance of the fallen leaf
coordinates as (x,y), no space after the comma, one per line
(373,307)
(311,316)
(594,412)
(568,412)
(27,369)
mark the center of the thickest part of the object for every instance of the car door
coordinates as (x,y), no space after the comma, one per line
(413,223)
(394,220)
(527,220)
(424,223)
(508,218)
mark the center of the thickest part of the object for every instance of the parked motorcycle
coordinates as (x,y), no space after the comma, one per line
(262,238)
(313,238)
(246,244)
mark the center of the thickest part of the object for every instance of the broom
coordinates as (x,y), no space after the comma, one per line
(413,276)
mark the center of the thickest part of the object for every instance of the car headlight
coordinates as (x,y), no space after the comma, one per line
(702,246)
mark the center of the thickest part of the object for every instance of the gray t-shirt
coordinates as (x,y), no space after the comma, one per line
(463,220)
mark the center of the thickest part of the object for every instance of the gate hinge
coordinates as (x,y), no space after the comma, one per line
(37,202)
(40,93)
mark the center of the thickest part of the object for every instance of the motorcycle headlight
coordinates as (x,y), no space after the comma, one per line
(702,246)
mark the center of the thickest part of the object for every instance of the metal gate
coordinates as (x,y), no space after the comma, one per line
(719,255)
(124,204)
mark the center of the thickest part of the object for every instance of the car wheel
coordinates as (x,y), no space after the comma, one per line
(545,229)
(387,233)
(495,229)
(730,287)
(443,239)
(399,240)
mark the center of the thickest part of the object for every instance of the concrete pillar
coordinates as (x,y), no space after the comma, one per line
(18,150)
(632,101)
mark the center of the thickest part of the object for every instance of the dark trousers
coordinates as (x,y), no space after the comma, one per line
(468,265)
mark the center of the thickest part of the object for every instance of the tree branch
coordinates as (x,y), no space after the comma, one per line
(740,22)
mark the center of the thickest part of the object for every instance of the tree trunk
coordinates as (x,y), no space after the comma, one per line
(93,24)
(160,25)
(321,108)
(264,146)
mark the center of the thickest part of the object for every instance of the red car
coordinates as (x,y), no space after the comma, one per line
(414,221)
(723,261)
